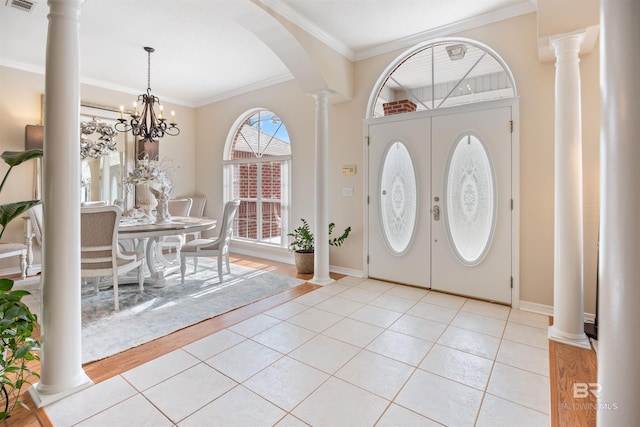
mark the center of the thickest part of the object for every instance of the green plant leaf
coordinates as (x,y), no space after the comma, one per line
(20,293)
(6,284)
(10,211)
(14,158)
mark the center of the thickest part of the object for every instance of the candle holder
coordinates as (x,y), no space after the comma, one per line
(147,125)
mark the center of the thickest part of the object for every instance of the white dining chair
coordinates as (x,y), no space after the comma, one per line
(169,244)
(37,223)
(100,254)
(218,247)
(197,211)
(180,207)
(94,203)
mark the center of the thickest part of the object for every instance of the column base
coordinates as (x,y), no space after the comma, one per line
(320,281)
(41,398)
(576,340)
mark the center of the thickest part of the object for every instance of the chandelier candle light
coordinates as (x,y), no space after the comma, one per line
(147,125)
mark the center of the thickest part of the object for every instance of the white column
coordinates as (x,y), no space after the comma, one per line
(619,302)
(568,277)
(321,256)
(61,370)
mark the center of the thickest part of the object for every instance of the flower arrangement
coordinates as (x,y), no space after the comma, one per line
(154,173)
(105,144)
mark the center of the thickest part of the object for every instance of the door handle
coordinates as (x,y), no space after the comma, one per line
(436,213)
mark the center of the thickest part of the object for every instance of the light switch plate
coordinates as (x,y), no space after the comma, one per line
(349,170)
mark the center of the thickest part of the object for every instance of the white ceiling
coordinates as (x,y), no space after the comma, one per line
(202,53)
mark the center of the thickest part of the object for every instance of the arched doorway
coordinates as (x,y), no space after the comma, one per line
(442,162)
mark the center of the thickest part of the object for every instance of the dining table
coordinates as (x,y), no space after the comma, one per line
(146,236)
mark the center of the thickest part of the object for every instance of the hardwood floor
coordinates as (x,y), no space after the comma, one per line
(568,365)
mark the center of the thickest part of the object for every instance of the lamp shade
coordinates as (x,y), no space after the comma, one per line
(33,136)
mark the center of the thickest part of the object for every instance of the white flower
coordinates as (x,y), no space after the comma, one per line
(155,174)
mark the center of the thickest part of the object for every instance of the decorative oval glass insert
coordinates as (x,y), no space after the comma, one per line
(398,198)
(470,199)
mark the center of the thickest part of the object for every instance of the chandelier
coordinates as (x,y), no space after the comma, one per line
(147,125)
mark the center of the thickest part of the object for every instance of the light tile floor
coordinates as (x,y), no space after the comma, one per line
(354,353)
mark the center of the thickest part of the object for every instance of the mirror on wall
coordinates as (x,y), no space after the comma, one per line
(104,173)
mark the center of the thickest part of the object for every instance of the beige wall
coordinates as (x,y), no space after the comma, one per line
(200,169)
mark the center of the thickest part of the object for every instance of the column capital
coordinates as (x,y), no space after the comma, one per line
(321,95)
(567,43)
(588,41)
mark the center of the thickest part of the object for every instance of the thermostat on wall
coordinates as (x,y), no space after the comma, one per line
(349,170)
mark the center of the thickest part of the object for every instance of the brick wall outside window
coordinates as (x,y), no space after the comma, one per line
(257,183)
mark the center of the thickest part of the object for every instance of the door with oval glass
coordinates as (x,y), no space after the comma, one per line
(399,189)
(459,237)
(471,186)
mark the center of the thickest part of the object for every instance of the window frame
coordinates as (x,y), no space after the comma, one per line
(285,180)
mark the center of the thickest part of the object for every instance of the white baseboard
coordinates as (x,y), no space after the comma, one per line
(9,271)
(266,255)
(286,257)
(547,310)
(347,271)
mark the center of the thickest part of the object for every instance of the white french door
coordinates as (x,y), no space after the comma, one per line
(440,201)
(399,189)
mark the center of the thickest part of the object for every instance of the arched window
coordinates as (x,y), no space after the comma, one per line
(257,166)
(441,73)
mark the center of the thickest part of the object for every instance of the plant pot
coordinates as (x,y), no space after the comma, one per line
(304,262)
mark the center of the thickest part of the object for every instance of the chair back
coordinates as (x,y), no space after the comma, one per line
(228,217)
(99,237)
(37,221)
(197,206)
(179,207)
(94,203)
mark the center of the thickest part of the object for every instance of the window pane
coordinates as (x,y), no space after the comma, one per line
(256,181)
(470,199)
(247,219)
(271,222)
(398,198)
(441,75)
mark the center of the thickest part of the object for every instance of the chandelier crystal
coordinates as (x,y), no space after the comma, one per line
(148,125)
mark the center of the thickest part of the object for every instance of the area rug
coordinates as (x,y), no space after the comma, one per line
(159,311)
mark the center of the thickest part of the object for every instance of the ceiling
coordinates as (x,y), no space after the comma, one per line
(203,54)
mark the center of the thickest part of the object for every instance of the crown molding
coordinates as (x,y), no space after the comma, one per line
(310,27)
(477,21)
(447,30)
(22,66)
(244,89)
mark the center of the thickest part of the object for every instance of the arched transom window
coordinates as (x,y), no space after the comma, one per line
(442,73)
(257,170)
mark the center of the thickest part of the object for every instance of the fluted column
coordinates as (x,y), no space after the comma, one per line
(321,256)
(568,277)
(619,296)
(61,370)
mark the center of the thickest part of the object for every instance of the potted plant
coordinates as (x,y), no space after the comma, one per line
(17,347)
(303,245)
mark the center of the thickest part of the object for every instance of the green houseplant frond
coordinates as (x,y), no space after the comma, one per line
(303,239)
(17,346)
(10,211)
